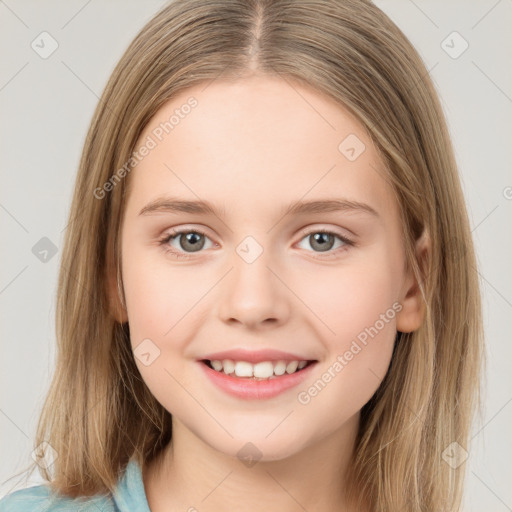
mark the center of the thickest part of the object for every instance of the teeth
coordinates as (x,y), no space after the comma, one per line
(262,370)
(291,366)
(217,365)
(279,368)
(243,369)
(227,364)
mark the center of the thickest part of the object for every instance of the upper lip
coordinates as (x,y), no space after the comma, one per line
(255,356)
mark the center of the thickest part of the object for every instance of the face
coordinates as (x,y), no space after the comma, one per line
(323,285)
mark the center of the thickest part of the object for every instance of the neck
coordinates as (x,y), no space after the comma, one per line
(191,475)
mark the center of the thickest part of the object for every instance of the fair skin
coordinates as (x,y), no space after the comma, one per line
(252,147)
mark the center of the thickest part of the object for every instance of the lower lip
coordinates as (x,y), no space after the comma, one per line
(256,389)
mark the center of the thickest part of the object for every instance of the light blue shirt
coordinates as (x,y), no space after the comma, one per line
(128,496)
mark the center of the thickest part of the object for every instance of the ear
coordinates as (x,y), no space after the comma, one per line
(412,313)
(116,308)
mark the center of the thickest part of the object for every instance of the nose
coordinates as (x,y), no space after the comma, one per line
(254,295)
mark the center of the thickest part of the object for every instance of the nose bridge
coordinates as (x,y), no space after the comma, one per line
(253,293)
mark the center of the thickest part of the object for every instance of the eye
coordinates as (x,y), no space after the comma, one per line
(322,240)
(189,241)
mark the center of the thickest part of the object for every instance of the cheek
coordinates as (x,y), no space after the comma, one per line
(357,306)
(158,301)
(164,311)
(352,297)
(157,296)
(368,296)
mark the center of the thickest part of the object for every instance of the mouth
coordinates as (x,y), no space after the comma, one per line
(259,380)
(261,371)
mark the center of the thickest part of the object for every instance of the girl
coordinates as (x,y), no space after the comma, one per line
(320,347)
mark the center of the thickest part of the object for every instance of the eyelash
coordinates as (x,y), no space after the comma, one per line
(174,234)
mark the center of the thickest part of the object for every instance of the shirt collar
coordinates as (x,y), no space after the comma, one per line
(130,494)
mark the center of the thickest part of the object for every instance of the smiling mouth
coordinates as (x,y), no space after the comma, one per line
(264,370)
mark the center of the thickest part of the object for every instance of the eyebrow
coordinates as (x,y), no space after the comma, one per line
(174,205)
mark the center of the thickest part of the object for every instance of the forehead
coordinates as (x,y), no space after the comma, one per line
(255,142)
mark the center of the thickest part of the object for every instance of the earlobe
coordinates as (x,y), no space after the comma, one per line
(412,314)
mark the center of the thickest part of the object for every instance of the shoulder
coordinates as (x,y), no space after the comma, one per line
(40,499)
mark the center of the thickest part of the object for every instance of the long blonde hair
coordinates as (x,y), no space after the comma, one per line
(99,413)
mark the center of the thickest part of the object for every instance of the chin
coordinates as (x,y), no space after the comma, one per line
(252,445)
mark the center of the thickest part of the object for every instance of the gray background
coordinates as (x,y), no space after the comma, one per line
(46,106)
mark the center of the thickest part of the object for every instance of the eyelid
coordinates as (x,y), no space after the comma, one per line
(322,228)
(182,229)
